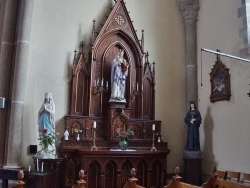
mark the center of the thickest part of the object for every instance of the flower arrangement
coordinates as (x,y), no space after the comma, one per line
(123,133)
(77,131)
(46,139)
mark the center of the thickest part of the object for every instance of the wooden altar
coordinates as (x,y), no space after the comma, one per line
(91,101)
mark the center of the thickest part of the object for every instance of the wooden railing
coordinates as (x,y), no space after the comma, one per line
(20,183)
(131,183)
(213,182)
(81,183)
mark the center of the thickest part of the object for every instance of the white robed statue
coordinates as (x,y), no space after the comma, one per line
(119,72)
(46,126)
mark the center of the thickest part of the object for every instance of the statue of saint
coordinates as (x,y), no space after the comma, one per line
(66,134)
(46,125)
(193,120)
(119,72)
(46,115)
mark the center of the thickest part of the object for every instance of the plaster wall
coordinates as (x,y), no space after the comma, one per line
(225,130)
(57,28)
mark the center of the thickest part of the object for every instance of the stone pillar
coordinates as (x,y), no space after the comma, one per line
(189,11)
(13,144)
(6,59)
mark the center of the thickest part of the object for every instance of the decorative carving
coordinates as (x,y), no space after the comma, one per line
(189,9)
(120,20)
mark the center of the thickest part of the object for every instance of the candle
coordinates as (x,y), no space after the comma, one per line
(102,83)
(97,82)
(137,87)
(94,125)
(29,168)
(107,84)
(42,167)
(37,165)
(153,127)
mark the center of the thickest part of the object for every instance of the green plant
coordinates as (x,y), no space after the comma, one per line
(46,138)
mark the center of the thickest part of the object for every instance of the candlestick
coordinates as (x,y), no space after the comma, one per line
(153,127)
(37,165)
(94,148)
(153,142)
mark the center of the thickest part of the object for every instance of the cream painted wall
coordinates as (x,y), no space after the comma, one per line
(57,28)
(225,130)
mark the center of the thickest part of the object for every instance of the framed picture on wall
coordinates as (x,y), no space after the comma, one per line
(220,82)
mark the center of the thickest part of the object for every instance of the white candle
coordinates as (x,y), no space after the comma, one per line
(94,125)
(153,127)
(107,84)
(37,165)
(137,87)
(102,83)
(29,168)
(42,167)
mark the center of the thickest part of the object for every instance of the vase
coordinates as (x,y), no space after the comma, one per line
(78,137)
(123,144)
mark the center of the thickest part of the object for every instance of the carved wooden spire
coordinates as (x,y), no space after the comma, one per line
(93,33)
(142,41)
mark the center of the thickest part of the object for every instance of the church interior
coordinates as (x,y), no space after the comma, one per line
(124,94)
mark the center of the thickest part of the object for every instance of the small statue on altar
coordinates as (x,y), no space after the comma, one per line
(193,120)
(119,72)
(66,134)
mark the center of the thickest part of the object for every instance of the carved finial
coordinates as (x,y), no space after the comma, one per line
(93,29)
(81,174)
(147,57)
(81,46)
(20,175)
(133,172)
(75,54)
(177,171)
(142,40)
(93,33)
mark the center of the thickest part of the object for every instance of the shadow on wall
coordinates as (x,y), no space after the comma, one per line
(209,160)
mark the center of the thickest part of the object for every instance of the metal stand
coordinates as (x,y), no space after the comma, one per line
(94,148)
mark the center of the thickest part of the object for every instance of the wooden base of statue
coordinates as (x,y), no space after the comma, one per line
(192,170)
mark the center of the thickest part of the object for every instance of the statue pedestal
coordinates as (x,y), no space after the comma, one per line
(117,104)
(192,167)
